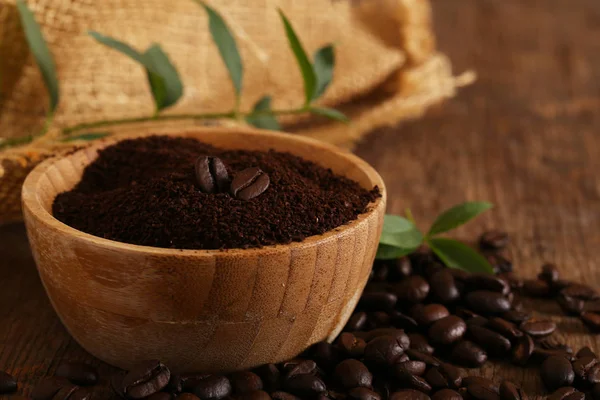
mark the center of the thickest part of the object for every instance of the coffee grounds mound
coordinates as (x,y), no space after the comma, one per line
(143,191)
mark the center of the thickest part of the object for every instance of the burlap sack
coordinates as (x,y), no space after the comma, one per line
(387,67)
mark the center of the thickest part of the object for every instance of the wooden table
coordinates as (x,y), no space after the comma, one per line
(525,136)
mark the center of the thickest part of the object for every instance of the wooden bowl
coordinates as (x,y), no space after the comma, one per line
(202,310)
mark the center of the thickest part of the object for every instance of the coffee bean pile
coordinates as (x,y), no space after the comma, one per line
(415,325)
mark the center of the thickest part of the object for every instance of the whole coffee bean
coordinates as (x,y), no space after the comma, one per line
(363,393)
(249,183)
(213,387)
(580,291)
(510,391)
(65,392)
(410,381)
(505,328)
(305,385)
(146,379)
(585,352)
(426,315)
(557,372)
(592,306)
(163,396)
(582,366)
(570,305)
(494,343)
(443,286)
(438,380)
(255,395)
(8,383)
(378,319)
(402,321)
(540,354)
(409,394)
(517,316)
(211,174)
(576,396)
(562,393)
(400,268)
(399,334)
(299,367)
(78,373)
(592,320)
(459,275)
(377,301)
(351,373)
(413,367)
(419,342)
(189,396)
(380,272)
(189,381)
(487,302)
(493,240)
(356,322)
(549,274)
(478,321)
(270,376)
(383,350)
(426,358)
(468,354)
(481,381)
(480,392)
(351,345)
(537,288)
(175,384)
(245,381)
(325,354)
(447,330)
(413,289)
(89,394)
(523,350)
(500,263)
(552,343)
(283,396)
(47,388)
(481,281)
(593,375)
(538,328)
(465,313)
(446,394)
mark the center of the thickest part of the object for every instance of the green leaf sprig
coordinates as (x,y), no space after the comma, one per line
(401,237)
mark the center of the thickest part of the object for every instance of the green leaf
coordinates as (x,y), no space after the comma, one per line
(385,252)
(40,52)
(456,254)
(457,216)
(330,113)
(262,117)
(227,47)
(400,232)
(86,137)
(308,73)
(163,78)
(323,67)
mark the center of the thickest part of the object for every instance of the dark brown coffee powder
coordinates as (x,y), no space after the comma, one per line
(144,191)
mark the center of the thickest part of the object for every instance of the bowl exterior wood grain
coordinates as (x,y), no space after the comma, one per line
(200,310)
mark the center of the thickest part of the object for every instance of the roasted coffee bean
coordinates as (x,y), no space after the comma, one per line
(552,343)
(549,274)
(410,381)
(580,291)
(540,354)
(468,354)
(189,396)
(523,350)
(211,174)
(84,393)
(505,328)
(305,385)
(481,381)
(66,392)
(562,393)
(413,367)
(116,384)
(399,334)
(298,367)
(352,373)
(426,358)
(576,396)
(477,321)
(538,328)
(376,301)
(537,288)
(284,396)
(465,313)
(8,383)
(447,330)
(487,302)
(356,322)
(213,387)
(245,381)
(493,240)
(351,345)
(581,366)
(592,320)
(146,379)
(517,316)
(444,376)
(401,268)
(363,393)
(163,396)
(78,373)
(175,384)
(419,342)
(403,358)
(585,352)
(592,306)
(325,354)
(481,281)
(446,394)
(409,394)
(255,395)
(47,388)
(402,321)
(557,372)
(426,315)
(494,343)
(413,289)
(570,305)
(383,350)
(270,376)
(378,319)
(593,375)
(480,392)
(510,391)
(249,183)
(443,286)
(380,273)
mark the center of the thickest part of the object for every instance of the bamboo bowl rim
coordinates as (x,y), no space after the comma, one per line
(32,202)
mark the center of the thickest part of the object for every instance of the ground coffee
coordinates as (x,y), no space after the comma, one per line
(145,191)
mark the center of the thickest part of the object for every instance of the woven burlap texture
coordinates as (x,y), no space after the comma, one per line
(387,67)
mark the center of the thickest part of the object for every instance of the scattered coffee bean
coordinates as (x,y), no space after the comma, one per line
(47,388)
(488,302)
(245,381)
(146,379)
(249,183)
(593,375)
(411,366)
(270,376)
(517,316)
(352,373)
(585,352)
(299,367)
(163,396)
(582,366)
(410,381)
(363,393)
(213,387)
(592,320)
(78,373)
(419,342)
(557,372)
(481,281)
(377,301)
(356,322)
(402,321)
(383,350)
(505,328)
(283,396)
(549,274)
(592,306)
(480,392)
(443,286)
(351,345)
(493,240)
(426,358)
(446,394)
(494,343)
(537,288)
(570,305)
(510,391)
(211,174)
(67,392)
(426,315)
(447,330)
(523,350)
(305,385)
(468,354)
(562,393)
(409,394)
(8,383)
(580,291)
(444,376)
(576,396)
(538,328)
(413,289)
(189,396)
(481,381)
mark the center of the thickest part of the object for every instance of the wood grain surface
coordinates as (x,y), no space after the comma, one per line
(525,137)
